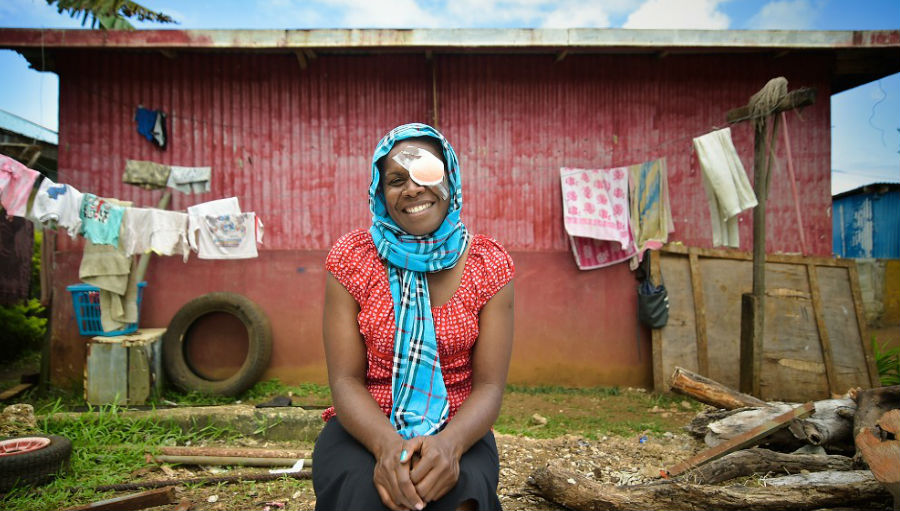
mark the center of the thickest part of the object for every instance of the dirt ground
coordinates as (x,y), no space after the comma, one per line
(616,460)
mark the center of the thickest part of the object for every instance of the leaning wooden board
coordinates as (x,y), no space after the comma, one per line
(815,340)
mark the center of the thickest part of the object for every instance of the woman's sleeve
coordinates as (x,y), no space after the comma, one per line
(497,268)
(348,260)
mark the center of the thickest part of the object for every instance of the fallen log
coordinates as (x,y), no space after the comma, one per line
(711,392)
(762,461)
(233,451)
(746,439)
(560,484)
(827,426)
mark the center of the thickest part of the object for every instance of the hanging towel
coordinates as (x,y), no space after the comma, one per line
(591,254)
(651,213)
(101,219)
(59,204)
(595,212)
(725,181)
(151,124)
(147,174)
(595,203)
(189,179)
(16,183)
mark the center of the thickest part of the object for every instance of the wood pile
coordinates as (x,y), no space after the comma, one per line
(823,454)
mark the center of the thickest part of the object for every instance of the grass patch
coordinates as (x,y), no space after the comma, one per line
(106,449)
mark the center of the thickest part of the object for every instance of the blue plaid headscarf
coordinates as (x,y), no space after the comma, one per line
(420,404)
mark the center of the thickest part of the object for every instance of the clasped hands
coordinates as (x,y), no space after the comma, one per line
(411,473)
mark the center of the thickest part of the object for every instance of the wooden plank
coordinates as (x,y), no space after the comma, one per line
(15,391)
(797,98)
(874,379)
(747,256)
(699,314)
(792,369)
(824,340)
(744,440)
(841,317)
(659,380)
(133,502)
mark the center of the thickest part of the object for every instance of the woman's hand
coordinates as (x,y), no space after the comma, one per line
(437,470)
(392,474)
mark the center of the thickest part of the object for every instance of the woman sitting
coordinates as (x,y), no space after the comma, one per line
(418,332)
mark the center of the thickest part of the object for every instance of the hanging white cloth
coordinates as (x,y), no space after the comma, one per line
(725,181)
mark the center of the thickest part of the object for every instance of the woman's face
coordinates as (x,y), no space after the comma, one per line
(413,207)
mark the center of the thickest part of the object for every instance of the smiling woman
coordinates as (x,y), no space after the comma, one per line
(418,331)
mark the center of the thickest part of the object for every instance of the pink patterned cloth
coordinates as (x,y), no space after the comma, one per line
(596,215)
(16,182)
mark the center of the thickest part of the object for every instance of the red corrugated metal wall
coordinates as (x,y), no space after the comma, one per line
(294,146)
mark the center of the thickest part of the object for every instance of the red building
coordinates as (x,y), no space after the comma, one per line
(288,121)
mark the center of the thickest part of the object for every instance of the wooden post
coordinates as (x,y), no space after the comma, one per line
(753,310)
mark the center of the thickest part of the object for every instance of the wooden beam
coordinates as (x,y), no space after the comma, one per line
(824,339)
(133,502)
(699,314)
(743,440)
(310,54)
(561,55)
(169,54)
(795,99)
(306,474)
(747,256)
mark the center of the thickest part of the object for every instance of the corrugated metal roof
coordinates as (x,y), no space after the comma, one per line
(24,127)
(449,38)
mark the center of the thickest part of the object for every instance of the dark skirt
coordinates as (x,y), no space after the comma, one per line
(343,469)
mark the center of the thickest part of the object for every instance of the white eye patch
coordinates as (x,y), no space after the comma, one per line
(424,169)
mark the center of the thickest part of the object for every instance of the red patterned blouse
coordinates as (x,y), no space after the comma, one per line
(355,264)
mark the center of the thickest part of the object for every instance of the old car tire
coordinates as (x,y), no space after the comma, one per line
(32,465)
(259,351)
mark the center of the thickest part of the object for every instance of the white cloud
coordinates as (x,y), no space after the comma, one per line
(385,14)
(786,15)
(679,14)
(575,15)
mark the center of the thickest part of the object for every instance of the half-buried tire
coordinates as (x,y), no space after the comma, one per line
(178,368)
(32,460)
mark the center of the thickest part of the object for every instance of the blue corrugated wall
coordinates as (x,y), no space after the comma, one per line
(867,224)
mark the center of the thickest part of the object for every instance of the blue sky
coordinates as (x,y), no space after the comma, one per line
(865,120)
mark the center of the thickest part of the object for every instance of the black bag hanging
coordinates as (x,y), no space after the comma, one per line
(653,301)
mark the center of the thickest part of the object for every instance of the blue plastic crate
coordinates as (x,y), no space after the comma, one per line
(86,299)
